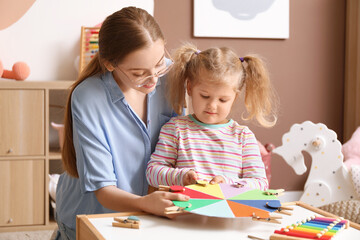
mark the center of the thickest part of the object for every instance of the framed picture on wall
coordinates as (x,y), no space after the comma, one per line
(241,18)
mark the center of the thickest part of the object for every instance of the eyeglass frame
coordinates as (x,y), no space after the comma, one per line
(157,74)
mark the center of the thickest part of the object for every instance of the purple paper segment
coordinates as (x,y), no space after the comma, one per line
(230,191)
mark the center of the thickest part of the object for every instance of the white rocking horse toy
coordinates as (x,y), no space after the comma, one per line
(329,181)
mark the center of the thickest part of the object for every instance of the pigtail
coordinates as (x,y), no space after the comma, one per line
(260,98)
(178,76)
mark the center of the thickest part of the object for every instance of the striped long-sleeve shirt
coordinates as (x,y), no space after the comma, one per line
(229,150)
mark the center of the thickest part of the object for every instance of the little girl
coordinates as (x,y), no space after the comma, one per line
(206,145)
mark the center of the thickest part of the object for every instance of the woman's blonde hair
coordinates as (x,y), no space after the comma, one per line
(121,33)
(260,98)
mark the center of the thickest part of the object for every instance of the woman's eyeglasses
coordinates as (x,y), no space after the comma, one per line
(142,81)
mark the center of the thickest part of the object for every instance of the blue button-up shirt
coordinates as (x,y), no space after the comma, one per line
(112,144)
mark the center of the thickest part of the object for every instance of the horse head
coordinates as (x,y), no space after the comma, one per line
(309,137)
(328,180)
(301,137)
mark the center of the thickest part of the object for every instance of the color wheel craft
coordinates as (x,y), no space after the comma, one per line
(228,201)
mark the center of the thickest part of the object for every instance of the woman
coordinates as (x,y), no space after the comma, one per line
(112,122)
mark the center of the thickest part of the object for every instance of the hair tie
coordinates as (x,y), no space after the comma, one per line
(242,59)
(197,52)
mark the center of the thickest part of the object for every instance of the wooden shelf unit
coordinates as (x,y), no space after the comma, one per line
(27,151)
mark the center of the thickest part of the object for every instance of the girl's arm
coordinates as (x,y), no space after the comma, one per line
(116,199)
(162,167)
(253,171)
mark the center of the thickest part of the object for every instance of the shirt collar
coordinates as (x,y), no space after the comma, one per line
(114,90)
(210,125)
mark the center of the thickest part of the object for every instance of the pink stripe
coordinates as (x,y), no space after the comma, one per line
(208,150)
(208,140)
(212,173)
(253,167)
(160,156)
(167,134)
(210,163)
(200,132)
(165,145)
(221,159)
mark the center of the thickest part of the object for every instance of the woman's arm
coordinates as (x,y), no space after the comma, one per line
(116,199)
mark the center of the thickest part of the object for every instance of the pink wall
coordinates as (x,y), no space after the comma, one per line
(307,69)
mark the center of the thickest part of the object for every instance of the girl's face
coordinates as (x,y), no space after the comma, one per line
(141,64)
(212,102)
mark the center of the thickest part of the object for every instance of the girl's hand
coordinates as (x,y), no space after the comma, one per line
(190,178)
(217,179)
(156,202)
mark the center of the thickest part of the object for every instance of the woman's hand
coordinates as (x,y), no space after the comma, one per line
(190,178)
(217,179)
(156,202)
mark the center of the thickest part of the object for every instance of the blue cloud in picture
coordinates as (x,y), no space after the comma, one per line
(243,9)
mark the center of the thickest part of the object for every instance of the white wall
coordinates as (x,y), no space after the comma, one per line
(47,37)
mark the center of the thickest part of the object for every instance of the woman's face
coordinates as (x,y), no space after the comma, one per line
(139,67)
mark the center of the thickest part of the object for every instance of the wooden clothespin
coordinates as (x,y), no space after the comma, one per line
(174,188)
(284,204)
(176,209)
(130,222)
(255,238)
(238,185)
(280,208)
(277,192)
(202,183)
(272,219)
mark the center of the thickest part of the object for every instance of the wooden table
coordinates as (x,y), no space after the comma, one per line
(193,226)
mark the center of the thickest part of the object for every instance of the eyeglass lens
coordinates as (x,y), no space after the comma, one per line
(160,73)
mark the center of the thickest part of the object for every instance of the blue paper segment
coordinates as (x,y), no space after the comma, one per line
(219,209)
(261,204)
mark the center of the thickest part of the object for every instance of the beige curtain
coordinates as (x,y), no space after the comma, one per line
(352,69)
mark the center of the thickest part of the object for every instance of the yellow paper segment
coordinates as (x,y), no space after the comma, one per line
(213,190)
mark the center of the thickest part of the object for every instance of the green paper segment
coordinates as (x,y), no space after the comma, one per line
(196,203)
(254,195)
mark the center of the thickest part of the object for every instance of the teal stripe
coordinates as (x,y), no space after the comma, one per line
(210,125)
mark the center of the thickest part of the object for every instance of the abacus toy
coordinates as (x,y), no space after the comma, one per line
(315,227)
(89,45)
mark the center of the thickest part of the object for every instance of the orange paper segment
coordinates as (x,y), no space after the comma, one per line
(241,210)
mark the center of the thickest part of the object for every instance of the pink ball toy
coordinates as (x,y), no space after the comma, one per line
(20,71)
(1,69)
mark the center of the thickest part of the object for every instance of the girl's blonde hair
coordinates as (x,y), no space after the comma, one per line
(121,33)
(260,98)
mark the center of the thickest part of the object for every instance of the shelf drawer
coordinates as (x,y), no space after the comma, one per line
(22,117)
(22,192)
